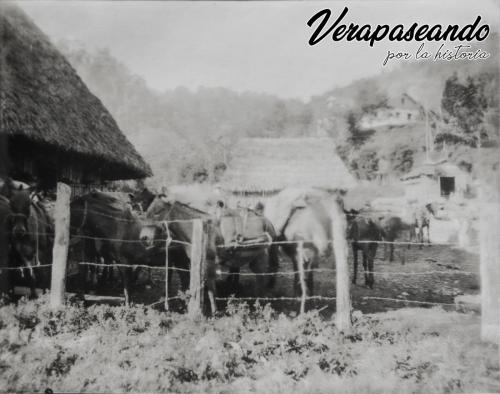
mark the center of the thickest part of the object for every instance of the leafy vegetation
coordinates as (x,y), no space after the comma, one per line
(115,349)
(188,135)
(464,105)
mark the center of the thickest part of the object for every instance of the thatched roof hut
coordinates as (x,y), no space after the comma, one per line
(434,180)
(268,165)
(56,128)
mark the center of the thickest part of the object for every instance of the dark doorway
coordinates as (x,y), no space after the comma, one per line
(447,184)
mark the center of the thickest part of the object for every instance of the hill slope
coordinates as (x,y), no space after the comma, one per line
(188,135)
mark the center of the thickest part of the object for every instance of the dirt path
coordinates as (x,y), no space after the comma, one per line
(454,272)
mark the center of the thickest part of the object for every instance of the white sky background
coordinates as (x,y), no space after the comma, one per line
(256,46)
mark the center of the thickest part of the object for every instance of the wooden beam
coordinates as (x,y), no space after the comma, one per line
(340,247)
(61,244)
(303,287)
(489,241)
(195,306)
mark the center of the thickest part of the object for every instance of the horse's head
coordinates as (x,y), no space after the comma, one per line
(20,200)
(24,234)
(20,205)
(151,233)
(142,200)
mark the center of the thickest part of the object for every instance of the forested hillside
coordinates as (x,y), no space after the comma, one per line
(187,135)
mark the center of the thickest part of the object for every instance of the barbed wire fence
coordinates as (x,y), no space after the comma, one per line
(198,267)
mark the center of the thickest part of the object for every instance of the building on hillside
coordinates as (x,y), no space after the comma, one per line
(262,167)
(433,181)
(400,110)
(55,128)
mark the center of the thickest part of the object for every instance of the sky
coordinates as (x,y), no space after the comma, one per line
(255,46)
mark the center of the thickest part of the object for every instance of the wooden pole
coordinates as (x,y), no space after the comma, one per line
(61,243)
(300,263)
(197,257)
(167,244)
(340,248)
(489,236)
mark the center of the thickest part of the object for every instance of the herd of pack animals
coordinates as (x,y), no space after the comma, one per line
(109,230)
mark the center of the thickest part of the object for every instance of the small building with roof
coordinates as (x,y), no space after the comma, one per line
(55,128)
(397,111)
(262,167)
(432,181)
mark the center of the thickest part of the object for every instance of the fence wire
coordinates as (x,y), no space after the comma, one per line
(251,274)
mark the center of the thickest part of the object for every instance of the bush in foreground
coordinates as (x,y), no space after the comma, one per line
(117,349)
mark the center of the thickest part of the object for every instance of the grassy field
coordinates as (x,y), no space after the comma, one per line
(114,349)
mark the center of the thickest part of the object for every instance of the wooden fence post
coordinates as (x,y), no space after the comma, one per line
(489,236)
(195,306)
(340,248)
(300,263)
(61,243)
(167,244)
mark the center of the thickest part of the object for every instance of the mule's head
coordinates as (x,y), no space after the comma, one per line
(18,223)
(152,233)
(20,200)
(142,200)
(23,239)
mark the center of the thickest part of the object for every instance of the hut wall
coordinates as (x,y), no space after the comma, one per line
(422,188)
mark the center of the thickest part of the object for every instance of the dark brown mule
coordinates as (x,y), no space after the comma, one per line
(394,228)
(362,228)
(173,220)
(154,236)
(230,239)
(99,216)
(31,239)
(248,237)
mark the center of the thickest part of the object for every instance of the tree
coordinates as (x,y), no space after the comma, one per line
(464,106)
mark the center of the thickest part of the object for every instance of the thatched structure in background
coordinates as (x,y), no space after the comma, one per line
(435,180)
(56,128)
(265,166)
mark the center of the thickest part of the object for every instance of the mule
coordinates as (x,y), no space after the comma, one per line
(31,239)
(99,216)
(363,228)
(231,235)
(422,219)
(304,216)
(248,240)
(393,228)
(179,229)
(154,236)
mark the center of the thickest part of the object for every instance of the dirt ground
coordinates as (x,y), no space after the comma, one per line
(433,274)
(454,272)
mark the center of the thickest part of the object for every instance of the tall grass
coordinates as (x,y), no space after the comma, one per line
(117,349)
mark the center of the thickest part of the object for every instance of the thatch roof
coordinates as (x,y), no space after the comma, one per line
(272,164)
(43,101)
(434,170)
